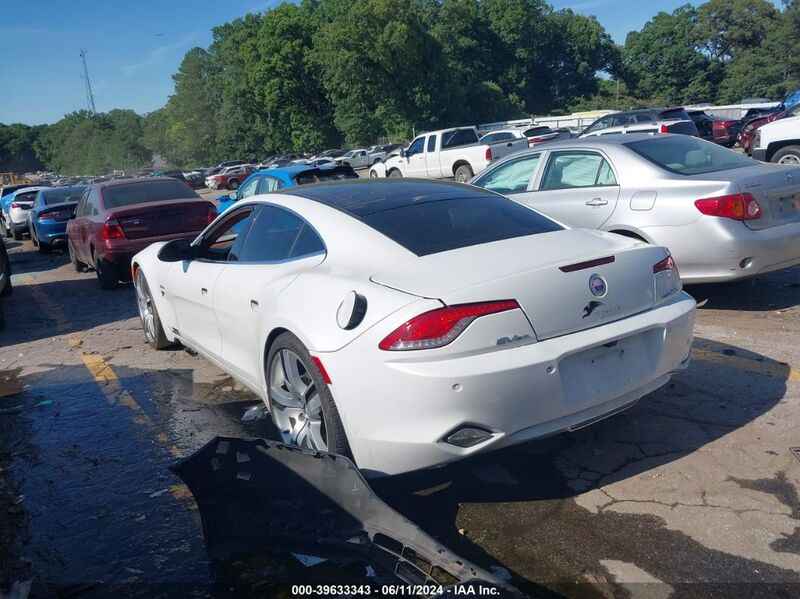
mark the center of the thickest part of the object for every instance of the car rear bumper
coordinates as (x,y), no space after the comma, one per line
(50,232)
(120,251)
(399,407)
(714,250)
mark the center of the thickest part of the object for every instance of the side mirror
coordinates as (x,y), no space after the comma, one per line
(401,152)
(234,195)
(176,250)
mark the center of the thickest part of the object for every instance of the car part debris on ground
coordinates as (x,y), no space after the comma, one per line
(258,495)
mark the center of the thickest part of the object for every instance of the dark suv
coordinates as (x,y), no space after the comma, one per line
(673,119)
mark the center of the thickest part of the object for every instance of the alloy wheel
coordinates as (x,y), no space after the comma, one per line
(145,303)
(792,159)
(296,403)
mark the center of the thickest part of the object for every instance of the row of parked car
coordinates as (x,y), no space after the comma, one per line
(556,271)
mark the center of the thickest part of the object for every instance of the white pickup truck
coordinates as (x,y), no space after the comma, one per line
(444,154)
(778,141)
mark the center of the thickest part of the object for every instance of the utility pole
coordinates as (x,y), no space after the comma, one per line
(89,93)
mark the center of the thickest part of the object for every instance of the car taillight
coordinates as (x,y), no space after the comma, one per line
(740,206)
(439,327)
(667,280)
(112,230)
(211,215)
(663,128)
(47,216)
(489,154)
(15,205)
(722,124)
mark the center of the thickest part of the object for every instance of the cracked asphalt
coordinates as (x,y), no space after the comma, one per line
(694,492)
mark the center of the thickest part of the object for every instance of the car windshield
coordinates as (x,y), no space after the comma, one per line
(118,196)
(59,196)
(443,225)
(688,155)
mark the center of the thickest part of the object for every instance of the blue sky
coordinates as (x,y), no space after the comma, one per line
(133,47)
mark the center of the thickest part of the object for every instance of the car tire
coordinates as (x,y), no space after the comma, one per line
(787,155)
(106,273)
(309,419)
(76,264)
(463,173)
(148,314)
(17,235)
(44,248)
(233,184)
(9,288)
(395,174)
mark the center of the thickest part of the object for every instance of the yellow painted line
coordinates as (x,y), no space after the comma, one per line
(767,367)
(105,377)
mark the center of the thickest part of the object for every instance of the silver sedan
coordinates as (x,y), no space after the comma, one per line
(723,215)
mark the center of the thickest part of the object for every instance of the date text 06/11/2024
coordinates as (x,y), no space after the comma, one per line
(399,590)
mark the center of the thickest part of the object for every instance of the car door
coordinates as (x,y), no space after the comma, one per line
(82,226)
(190,284)
(576,187)
(279,246)
(513,178)
(415,159)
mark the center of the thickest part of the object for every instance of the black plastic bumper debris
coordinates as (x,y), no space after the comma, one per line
(259,495)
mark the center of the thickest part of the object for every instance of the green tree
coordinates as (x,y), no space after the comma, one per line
(726,28)
(662,62)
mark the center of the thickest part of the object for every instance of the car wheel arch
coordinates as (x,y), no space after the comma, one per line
(776,146)
(632,234)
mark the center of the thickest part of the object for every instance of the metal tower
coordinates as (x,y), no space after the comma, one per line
(89,93)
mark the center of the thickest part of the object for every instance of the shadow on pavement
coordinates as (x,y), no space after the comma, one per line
(774,291)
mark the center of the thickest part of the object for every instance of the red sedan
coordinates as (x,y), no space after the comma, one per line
(749,130)
(115,220)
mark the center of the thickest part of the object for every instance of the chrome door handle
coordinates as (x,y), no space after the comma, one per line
(254,305)
(203,290)
(597,202)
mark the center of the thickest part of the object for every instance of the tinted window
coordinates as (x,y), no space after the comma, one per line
(439,226)
(688,155)
(28,196)
(644,118)
(416,146)
(432,143)
(65,194)
(675,114)
(459,137)
(623,120)
(536,131)
(220,244)
(576,169)
(324,176)
(510,177)
(146,192)
(277,234)
(493,137)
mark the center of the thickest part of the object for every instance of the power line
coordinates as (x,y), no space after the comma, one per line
(89,93)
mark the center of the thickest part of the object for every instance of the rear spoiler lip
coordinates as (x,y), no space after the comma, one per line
(587,264)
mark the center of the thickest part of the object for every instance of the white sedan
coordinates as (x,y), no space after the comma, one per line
(413,323)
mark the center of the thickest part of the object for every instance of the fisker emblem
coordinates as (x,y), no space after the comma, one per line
(597,285)
(590,307)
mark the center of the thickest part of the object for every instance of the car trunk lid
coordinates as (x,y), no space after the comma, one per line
(777,190)
(551,275)
(157,219)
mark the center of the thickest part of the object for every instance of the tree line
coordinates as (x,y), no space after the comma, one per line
(326,73)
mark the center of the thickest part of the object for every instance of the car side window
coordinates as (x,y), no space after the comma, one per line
(623,120)
(249,188)
(79,209)
(277,235)
(511,177)
(416,146)
(432,143)
(567,170)
(598,125)
(92,206)
(644,118)
(268,184)
(222,243)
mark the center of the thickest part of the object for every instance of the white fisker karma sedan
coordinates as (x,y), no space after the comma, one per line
(412,323)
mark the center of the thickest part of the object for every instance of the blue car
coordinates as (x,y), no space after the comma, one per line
(274,179)
(52,209)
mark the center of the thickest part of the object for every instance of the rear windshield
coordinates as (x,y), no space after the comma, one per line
(322,177)
(59,196)
(536,131)
(459,137)
(146,192)
(439,226)
(679,114)
(688,155)
(28,196)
